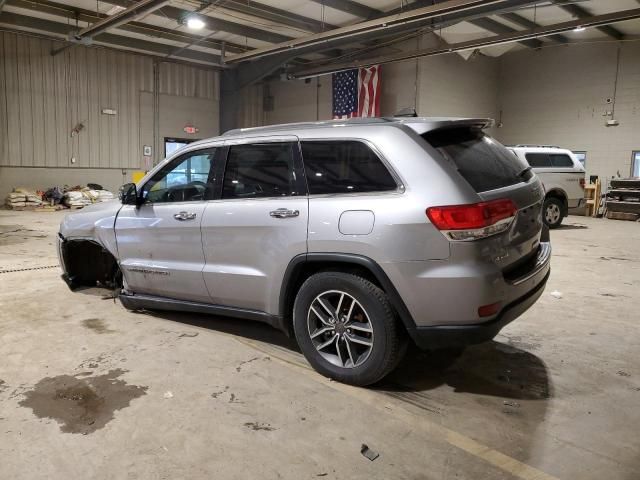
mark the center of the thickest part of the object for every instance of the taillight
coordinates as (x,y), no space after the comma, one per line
(582,182)
(474,221)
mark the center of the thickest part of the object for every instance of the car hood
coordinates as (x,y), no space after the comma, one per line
(87,222)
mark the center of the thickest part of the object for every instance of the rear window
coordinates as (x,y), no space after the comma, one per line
(546,160)
(344,166)
(482,161)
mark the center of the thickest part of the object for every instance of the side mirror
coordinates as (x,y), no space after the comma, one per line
(128,194)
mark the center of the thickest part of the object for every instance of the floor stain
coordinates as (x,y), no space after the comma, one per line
(13,234)
(244,362)
(256,426)
(217,394)
(3,386)
(81,405)
(97,325)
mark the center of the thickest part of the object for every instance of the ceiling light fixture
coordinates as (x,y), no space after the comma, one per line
(579,29)
(194,23)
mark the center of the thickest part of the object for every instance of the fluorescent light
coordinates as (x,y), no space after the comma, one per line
(579,29)
(194,23)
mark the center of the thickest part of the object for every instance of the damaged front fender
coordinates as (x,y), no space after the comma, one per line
(87,264)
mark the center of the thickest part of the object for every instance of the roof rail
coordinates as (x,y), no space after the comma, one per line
(536,146)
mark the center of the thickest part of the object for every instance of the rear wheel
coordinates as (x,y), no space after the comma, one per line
(552,212)
(346,328)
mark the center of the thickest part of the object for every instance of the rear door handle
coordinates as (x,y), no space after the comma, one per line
(284,213)
(184,216)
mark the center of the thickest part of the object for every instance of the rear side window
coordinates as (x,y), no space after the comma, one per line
(482,161)
(546,160)
(538,160)
(560,160)
(259,170)
(339,166)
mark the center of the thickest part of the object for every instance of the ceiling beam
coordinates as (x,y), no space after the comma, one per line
(526,23)
(131,13)
(580,12)
(277,15)
(179,14)
(351,7)
(402,22)
(496,27)
(592,21)
(485,23)
(62,29)
(87,16)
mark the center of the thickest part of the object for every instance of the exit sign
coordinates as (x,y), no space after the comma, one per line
(190,129)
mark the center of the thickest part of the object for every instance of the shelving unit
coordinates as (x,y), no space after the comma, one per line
(623,199)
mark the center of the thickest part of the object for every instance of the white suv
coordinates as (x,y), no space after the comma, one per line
(562,175)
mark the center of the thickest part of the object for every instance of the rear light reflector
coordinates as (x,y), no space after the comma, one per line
(473,221)
(488,310)
(582,182)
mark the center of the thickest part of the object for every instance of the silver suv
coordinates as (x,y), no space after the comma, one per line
(356,237)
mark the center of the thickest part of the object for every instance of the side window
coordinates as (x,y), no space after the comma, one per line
(260,170)
(560,160)
(344,166)
(538,160)
(188,178)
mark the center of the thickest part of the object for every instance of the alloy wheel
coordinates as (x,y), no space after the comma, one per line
(340,329)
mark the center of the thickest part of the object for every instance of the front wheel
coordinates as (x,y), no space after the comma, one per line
(552,212)
(346,328)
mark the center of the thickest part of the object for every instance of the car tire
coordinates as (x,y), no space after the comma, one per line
(336,344)
(552,212)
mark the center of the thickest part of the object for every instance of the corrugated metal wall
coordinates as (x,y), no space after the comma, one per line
(44,98)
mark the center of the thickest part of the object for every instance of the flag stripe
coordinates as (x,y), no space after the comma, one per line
(356,93)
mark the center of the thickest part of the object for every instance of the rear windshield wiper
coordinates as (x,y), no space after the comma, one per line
(521,174)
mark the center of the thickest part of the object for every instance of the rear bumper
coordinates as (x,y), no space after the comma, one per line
(444,336)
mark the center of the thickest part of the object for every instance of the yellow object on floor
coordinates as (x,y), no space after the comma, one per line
(137,176)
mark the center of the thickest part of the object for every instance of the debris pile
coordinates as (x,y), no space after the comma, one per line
(56,198)
(79,197)
(21,198)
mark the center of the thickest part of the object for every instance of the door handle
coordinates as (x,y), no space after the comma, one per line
(284,213)
(184,216)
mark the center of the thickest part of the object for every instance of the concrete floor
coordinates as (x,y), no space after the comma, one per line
(89,390)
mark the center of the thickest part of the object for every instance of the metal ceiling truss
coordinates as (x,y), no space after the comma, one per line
(388,25)
(61,29)
(580,12)
(540,31)
(88,16)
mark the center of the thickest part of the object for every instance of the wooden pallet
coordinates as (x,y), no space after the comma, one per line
(592,194)
(623,216)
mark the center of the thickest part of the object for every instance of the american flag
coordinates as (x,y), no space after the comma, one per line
(356,93)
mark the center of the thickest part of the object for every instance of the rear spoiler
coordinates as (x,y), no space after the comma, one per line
(423,125)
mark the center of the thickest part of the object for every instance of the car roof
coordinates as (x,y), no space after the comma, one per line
(539,148)
(418,124)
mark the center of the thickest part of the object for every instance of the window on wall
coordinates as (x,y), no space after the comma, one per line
(582,157)
(635,163)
